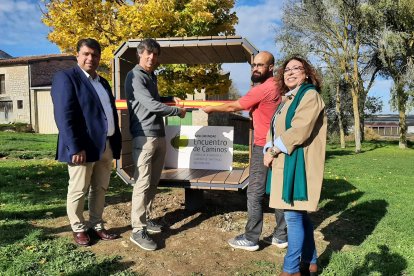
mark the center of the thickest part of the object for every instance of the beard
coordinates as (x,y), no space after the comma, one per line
(259,78)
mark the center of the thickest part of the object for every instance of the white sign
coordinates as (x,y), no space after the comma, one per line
(199,147)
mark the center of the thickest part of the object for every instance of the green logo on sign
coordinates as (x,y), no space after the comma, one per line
(179,141)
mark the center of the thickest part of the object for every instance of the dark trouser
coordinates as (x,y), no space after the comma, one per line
(255,195)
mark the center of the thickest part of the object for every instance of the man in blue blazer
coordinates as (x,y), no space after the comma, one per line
(89,138)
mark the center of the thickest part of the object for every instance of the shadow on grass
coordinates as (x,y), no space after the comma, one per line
(37,190)
(106,267)
(352,227)
(334,150)
(29,191)
(384,263)
(331,153)
(13,231)
(394,142)
(40,254)
(351,222)
(44,213)
(336,195)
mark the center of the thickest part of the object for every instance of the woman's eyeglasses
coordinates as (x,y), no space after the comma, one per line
(293,69)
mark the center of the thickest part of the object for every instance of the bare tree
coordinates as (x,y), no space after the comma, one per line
(334,31)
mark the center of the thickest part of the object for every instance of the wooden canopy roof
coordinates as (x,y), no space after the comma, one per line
(195,50)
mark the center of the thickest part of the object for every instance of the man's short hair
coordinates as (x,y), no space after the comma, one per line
(89,42)
(149,44)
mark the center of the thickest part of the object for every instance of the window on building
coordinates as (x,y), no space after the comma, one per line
(6,111)
(19,104)
(2,84)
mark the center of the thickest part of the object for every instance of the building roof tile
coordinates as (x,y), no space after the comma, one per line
(32,59)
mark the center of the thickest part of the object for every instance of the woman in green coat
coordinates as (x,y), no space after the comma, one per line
(296,152)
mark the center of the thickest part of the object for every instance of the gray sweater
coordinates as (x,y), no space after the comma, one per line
(146,111)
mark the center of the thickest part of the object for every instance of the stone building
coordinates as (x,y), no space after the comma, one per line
(25,89)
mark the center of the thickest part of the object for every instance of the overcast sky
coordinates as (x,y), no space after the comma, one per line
(22,34)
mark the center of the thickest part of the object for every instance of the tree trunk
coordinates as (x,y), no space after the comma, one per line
(401,102)
(338,113)
(402,144)
(362,99)
(356,94)
(357,129)
(362,124)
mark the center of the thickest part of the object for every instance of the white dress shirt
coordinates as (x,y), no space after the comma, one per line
(105,101)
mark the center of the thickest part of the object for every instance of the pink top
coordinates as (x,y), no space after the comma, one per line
(262,101)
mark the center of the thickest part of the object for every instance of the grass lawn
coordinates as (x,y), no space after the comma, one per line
(366,212)
(33,187)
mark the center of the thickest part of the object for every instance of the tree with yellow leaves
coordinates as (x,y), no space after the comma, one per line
(112,22)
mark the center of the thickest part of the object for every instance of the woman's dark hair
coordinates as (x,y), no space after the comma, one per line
(311,73)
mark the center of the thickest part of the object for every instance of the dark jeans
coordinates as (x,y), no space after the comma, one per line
(255,196)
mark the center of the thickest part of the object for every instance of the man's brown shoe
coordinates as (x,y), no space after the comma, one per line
(104,235)
(81,238)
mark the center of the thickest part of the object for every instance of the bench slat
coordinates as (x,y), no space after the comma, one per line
(169,173)
(204,179)
(234,177)
(208,176)
(196,174)
(220,177)
(245,174)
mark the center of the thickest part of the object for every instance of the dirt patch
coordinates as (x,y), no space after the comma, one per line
(193,243)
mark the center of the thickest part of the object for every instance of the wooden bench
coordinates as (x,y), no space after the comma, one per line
(195,181)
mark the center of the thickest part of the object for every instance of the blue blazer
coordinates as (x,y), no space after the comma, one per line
(80,117)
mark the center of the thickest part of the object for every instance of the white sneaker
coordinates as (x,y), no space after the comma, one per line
(275,241)
(241,242)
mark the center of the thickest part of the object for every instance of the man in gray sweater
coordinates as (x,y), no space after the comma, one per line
(146,112)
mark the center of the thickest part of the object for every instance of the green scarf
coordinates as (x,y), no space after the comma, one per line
(294,173)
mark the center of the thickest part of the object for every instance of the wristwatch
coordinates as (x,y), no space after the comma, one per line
(273,152)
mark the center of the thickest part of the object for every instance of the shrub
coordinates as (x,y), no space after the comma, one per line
(16,127)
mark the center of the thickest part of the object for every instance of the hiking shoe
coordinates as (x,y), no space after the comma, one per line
(275,241)
(153,227)
(241,242)
(143,240)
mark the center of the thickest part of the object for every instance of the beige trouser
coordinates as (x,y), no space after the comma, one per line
(149,155)
(93,177)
